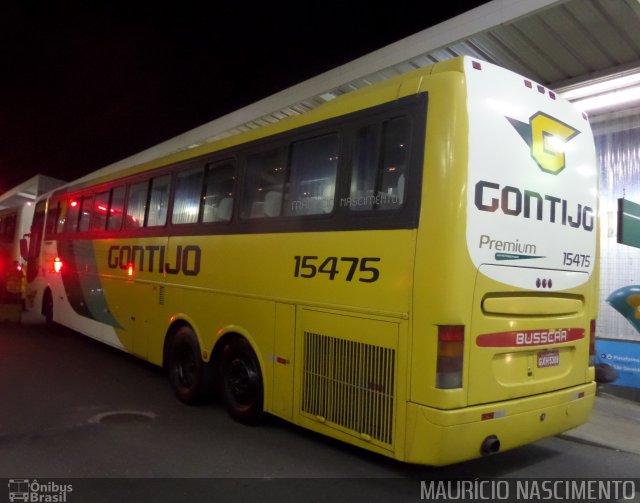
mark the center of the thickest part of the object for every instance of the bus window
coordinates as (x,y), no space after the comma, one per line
(186,200)
(35,241)
(52,217)
(219,190)
(158,201)
(8,228)
(378,172)
(116,210)
(73,211)
(85,213)
(100,213)
(395,153)
(60,218)
(313,169)
(266,173)
(137,204)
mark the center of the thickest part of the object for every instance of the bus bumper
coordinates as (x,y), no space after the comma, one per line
(441,437)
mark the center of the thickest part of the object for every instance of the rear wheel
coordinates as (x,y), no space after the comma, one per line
(242,386)
(191,377)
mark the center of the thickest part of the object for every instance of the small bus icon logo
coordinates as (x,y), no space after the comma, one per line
(18,490)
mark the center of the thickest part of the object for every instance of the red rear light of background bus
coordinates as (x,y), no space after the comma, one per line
(450,354)
(57,264)
(592,343)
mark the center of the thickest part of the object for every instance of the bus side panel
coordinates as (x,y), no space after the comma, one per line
(283,360)
(443,294)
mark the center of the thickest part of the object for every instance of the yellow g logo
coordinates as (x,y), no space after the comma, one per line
(546,137)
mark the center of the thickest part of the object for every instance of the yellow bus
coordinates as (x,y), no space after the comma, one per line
(410,267)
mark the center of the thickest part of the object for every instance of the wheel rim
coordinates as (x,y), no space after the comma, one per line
(242,380)
(185,368)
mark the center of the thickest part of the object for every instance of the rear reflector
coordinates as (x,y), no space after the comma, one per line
(592,343)
(450,355)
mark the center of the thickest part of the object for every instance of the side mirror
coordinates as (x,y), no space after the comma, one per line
(24,248)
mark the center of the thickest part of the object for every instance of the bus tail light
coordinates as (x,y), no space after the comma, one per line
(57,264)
(450,354)
(592,343)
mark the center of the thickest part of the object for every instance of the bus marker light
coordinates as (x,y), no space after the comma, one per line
(493,415)
(592,343)
(57,264)
(130,269)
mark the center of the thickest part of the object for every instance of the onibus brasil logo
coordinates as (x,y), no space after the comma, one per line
(40,492)
(546,137)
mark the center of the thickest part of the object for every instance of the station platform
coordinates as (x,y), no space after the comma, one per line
(614,423)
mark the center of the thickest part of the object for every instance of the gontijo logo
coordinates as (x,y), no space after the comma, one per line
(546,137)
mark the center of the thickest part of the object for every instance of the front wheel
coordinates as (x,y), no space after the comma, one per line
(242,386)
(47,310)
(190,376)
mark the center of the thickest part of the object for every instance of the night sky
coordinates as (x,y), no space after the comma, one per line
(85,84)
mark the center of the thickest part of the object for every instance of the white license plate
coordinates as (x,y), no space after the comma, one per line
(548,359)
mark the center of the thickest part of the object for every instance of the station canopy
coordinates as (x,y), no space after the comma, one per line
(28,191)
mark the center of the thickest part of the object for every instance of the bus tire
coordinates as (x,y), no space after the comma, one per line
(242,385)
(47,310)
(191,377)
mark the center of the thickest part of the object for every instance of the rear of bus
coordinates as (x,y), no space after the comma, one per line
(506,269)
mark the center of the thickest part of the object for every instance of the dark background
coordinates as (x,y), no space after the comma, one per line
(86,84)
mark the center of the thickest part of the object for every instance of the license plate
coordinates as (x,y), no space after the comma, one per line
(548,359)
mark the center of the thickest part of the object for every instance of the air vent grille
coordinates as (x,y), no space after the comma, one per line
(349,384)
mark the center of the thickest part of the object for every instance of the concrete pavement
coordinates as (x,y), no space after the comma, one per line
(615,424)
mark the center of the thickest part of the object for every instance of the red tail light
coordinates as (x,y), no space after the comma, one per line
(450,356)
(57,264)
(592,343)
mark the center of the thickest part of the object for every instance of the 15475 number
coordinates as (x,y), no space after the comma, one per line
(577,259)
(309,266)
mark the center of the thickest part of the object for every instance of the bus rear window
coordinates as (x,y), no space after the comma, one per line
(378,174)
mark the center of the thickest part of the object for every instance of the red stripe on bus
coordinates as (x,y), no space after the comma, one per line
(525,338)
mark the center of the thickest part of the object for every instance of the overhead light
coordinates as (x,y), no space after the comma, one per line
(601,87)
(610,99)
(608,93)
